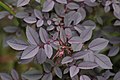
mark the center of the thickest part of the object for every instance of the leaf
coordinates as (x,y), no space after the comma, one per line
(48,50)
(5,76)
(62,1)
(107,9)
(63,35)
(32,75)
(59,9)
(58,72)
(73,71)
(66,71)
(75,39)
(76,46)
(17,44)
(32,36)
(47,77)
(103,61)
(21,3)
(38,14)
(107,74)
(117,15)
(30,20)
(84,77)
(101,78)
(21,15)
(39,23)
(98,44)
(72,5)
(86,35)
(10,29)
(89,24)
(43,35)
(87,65)
(116,7)
(30,52)
(3,14)
(117,23)
(47,67)
(68,33)
(75,77)
(72,16)
(89,57)
(113,51)
(117,76)
(82,11)
(77,18)
(66,60)
(80,54)
(48,5)
(14,74)
(41,56)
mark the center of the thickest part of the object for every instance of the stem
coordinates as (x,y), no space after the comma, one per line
(5,6)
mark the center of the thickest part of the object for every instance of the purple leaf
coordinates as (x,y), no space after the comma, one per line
(116,8)
(101,78)
(87,65)
(89,56)
(103,61)
(107,9)
(82,12)
(84,77)
(117,23)
(58,72)
(66,60)
(98,44)
(39,23)
(68,33)
(63,35)
(41,56)
(14,74)
(72,5)
(72,16)
(76,46)
(107,74)
(10,29)
(30,20)
(48,50)
(21,15)
(47,67)
(47,77)
(17,44)
(66,71)
(59,9)
(38,14)
(30,52)
(73,71)
(80,55)
(5,76)
(43,35)
(48,5)
(21,3)
(117,15)
(113,51)
(86,34)
(62,1)
(117,76)
(89,24)
(75,77)
(32,75)
(32,36)
(75,39)
(3,14)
